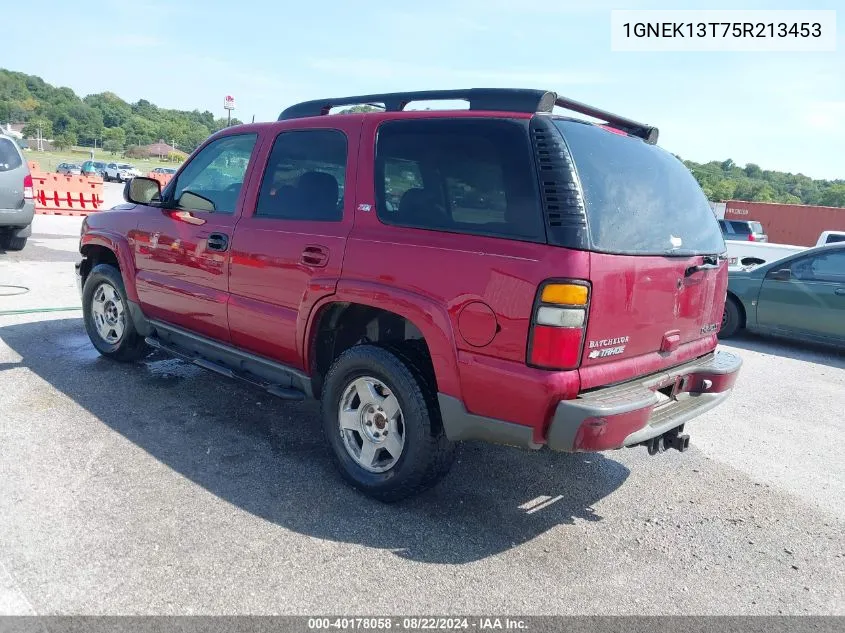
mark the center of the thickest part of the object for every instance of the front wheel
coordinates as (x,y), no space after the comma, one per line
(106,314)
(8,242)
(382,422)
(731,319)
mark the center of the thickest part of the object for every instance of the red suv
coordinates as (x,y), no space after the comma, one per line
(501,273)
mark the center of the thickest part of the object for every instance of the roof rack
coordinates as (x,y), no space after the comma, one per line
(491,99)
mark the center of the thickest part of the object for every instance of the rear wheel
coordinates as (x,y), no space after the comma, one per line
(9,242)
(106,313)
(382,422)
(731,319)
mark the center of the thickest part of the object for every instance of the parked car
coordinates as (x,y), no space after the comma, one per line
(530,319)
(17,200)
(741,254)
(120,172)
(831,237)
(745,230)
(93,168)
(164,170)
(69,169)
(800,297)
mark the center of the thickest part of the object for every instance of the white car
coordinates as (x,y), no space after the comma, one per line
(831,237)
(120,172)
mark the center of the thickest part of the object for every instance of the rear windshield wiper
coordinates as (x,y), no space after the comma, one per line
(709,263)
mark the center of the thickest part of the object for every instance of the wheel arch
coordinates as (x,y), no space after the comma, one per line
(103,248)
(355,307)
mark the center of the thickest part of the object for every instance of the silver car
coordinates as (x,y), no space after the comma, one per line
(69,169)
(17,204)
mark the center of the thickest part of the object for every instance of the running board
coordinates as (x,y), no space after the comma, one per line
(287,393)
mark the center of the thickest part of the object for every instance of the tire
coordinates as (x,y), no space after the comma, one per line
(731,319)
(124,343)
(10,243)
(426,453)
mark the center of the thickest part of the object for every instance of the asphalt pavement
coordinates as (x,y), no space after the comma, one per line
(159,488)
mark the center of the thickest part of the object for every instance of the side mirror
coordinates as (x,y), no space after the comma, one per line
(141,190)
(196,202)
(783,274)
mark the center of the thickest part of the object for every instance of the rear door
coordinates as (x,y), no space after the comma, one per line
(12,173)
(656,268)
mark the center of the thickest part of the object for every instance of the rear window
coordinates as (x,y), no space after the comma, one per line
(741,227)
(833,239)
(756,227)
(459,176)
(640,199)
(10,158)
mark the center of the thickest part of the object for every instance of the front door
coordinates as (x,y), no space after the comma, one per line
(183,245)
(811,301)
(289,245)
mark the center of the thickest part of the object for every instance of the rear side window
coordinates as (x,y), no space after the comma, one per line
(741,227)
(640,200)
(462,176)
(305,177)
(10,158)
(756,227)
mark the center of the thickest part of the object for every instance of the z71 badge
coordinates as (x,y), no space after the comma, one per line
(709,328)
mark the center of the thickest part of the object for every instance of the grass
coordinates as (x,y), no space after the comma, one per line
(48,161)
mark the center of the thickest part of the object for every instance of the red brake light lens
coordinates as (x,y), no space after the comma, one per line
(556,347)
(28,192)
(751,237)
(558,324)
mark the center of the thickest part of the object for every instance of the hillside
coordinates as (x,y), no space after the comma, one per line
(116,125)
(105,117)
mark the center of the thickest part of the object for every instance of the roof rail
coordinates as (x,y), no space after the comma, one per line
(491,99)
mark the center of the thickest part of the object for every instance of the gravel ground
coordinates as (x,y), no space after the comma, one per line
(159,488)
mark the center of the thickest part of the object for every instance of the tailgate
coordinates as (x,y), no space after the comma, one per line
(644,312)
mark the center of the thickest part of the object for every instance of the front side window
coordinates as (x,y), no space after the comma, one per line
(213,179)
(460,176)
(822,267)
(305,177)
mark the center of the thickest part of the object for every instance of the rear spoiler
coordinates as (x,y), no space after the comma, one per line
(491,99)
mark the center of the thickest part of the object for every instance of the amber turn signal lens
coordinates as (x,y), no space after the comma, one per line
(565,294)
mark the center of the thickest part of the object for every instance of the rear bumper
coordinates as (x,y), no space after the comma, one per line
(633,412)
(18,218)
(611,417)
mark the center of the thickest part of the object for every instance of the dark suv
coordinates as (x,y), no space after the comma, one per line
(743,230)
(500,273)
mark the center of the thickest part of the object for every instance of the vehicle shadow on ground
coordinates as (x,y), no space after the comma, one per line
(266,456)
(776,346)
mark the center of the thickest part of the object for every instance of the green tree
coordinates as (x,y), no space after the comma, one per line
(834,196)
(753,171)
(30,130)
(65,140)
(114,139)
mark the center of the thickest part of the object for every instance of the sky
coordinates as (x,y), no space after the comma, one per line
(783,111)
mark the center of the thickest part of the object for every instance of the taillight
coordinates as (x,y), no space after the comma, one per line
(751,237)
(28,193)
(558,325)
